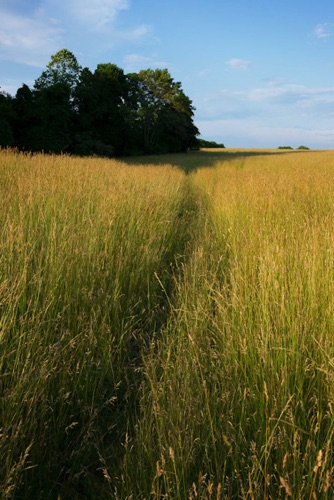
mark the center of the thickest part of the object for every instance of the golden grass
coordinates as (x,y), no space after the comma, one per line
(165,334)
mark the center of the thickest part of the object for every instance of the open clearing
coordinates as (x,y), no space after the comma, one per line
(167,326)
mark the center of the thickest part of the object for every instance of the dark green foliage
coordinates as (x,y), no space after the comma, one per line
(104,113)
(62,68)
(43,118)
(25,118)
(305,148)
(209,144)
(100,102)
(164,113)
(6,118)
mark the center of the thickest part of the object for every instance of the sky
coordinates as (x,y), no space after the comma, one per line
(260,73)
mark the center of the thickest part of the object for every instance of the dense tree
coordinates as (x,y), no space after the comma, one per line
(43,118)
(100,104)
(6,120)
(104,112)
(26,118)
(164,112)
(62,68)
(209,144)
(54,119)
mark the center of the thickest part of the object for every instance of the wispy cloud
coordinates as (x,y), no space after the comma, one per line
(28,39)
(134,34)
(33,35)
(293,95)
(325,30)
(100,19)
(238,63)
(271,99)
(97,13)
(256,133)
(136,62)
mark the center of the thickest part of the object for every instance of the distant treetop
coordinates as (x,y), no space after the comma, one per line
(62,68)
(209,144)
(289,147)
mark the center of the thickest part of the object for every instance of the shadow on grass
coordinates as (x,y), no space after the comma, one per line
(193,160)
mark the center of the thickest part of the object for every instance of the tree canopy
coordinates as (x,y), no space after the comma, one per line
(164,112)
(62,68)
(105,112)
(210,144)
(6,118)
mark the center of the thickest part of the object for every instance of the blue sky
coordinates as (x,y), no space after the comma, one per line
(259,72)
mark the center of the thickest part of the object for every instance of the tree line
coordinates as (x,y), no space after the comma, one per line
(202,143)
(73,110)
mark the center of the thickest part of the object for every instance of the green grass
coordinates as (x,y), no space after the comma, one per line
(167,331)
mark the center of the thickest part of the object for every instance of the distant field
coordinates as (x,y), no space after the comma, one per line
(167,326)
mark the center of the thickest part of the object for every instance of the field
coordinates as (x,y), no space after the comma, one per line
(167,326)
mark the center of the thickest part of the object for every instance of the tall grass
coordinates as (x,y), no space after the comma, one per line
(163,334)
(239,393)
(84,244)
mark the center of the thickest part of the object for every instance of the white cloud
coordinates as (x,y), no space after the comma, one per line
(238,63)
(136,59)
(28,40)
(273,99)
(295,97)
(137,62)
(255,133)
(268,116)
(100,19)
(274,92)
(97,13)
(31,35)
(324,30)
(136,33)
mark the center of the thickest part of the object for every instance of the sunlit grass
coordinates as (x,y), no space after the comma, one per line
(83,243)
(241,381)
(165,334)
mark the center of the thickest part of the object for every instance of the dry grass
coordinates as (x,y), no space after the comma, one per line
(166,334)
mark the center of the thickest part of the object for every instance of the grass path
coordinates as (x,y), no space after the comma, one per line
(238,395)
(166,331)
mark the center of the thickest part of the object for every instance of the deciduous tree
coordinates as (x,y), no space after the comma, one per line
(6,120)
(104,112)
(62,68)
(164,111)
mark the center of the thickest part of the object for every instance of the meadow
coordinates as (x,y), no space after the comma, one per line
(167,326)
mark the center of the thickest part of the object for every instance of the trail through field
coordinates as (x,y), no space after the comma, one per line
(166,326)
(234,378)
